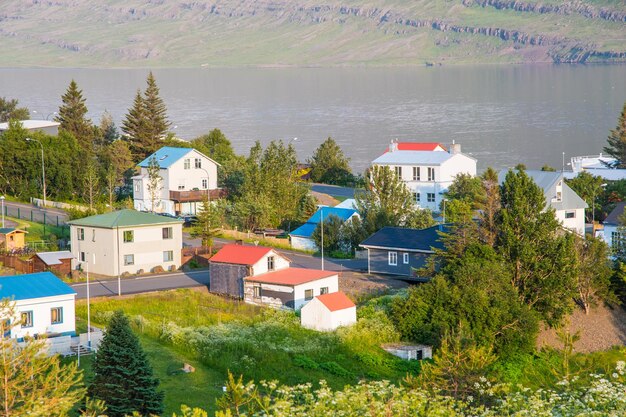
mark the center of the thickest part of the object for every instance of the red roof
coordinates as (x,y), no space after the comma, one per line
(336,301)
(291,276)
(418,146)
(241,255)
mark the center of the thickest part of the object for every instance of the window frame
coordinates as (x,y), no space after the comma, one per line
(132,255)
(25,324)
(80,235)
(570,214)
(82,256)
(170,233)
(132,236)
(197,163)
(205,183)
(431,197)
(271,264)
(256,291)
(398,171)
(187,163)
(416,174)
(431,174)
(310,294)
(171,256)
(405,258)
(323,290)
(392,258)
(59,315)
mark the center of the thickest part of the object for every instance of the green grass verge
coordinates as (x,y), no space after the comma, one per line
(38,232)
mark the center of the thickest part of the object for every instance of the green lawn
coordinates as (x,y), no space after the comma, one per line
(217,335)
(36,231)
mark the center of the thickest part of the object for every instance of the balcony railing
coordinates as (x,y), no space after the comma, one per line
(195,195)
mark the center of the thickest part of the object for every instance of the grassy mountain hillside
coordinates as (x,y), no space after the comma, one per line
(308,32)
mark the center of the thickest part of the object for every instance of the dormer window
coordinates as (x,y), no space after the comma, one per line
(559,191)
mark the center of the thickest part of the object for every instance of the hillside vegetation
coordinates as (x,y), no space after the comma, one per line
(187,33)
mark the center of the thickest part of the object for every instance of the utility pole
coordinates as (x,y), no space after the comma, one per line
(322,224)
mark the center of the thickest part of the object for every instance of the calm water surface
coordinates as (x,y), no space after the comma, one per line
(502,115)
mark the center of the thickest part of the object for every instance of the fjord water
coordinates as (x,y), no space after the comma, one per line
(502,115)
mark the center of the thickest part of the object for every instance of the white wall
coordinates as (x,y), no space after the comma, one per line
(261,266)
(315,315)
(101,247)
(331,282)
(42,316)
(302,243)
(576,224)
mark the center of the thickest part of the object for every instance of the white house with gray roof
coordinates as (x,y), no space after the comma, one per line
(428,169)
(569,208)
(186,176)
(126,241)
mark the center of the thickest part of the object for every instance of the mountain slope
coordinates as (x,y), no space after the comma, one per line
(308,32)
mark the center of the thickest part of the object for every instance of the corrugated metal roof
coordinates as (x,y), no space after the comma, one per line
(166,156)
(614,216)
(29,286)
(240,254)
(411,240)
(54,258)
(291,276)
(413,158)
(306,230)
(123,218)
(336,301)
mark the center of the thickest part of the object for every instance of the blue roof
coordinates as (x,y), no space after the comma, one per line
(166,156)
(306,230)
(28,286)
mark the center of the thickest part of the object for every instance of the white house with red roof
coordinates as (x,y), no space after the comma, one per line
(427,168)
(262,276)
(328,311)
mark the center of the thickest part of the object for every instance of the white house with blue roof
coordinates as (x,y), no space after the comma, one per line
(187,175)
(302,237)
(44,305)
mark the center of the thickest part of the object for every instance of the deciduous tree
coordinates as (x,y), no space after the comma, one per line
(593,273)
(123,377)
(329,165)
(589,188)
(10,111)
(155,183)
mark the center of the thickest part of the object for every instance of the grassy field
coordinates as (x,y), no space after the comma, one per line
(217,336)
(36,231)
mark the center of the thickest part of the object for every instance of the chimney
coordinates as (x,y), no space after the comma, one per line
(393,146)
(455,148)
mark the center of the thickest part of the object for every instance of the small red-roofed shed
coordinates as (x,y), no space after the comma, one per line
(327,312)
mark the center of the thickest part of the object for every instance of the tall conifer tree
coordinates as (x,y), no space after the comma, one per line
(72,116)
(156,111)
(134,126)
(123,377)
(617,140)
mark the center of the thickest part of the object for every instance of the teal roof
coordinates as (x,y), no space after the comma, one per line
(28,286)
(166,156)
(306,230)
(123,218)
(5,230)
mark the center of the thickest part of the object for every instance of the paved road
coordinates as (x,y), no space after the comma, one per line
(334,190)
(24,210)
(106,288)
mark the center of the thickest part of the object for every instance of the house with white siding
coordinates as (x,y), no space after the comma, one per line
(186,177)
(328,312)
(613,233)
(126,241)
(427,168)
(44,305)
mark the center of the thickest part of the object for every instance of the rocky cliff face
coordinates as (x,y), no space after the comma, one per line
(308,32)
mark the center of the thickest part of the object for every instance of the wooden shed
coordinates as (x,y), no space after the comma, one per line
(59,262)
(328,311)
(12,238)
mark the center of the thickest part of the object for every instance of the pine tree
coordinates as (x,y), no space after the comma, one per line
(156,114)
(135,127)
(10,111)
(329,165)
(123,377)
(72,116)
(617,140)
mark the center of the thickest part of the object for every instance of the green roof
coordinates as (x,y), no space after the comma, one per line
(123,218)
(7,230)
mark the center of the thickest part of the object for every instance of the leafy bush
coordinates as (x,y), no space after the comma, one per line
(305,362)
(335,369)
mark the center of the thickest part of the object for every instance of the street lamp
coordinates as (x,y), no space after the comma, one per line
(322,225)
(88,299)
(43,170)
(2,200)
(593,210)
(51,114)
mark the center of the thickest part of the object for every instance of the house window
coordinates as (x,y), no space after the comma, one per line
(398,172)
(82,256)
(257,291)
(187,163)
(431,174)
(570,214)
(416,197)
(198,162)
(270,263)
(308,295)
(430,197)
(405,258)
(205,183)
(416,173)
(81,233)
(393,258)
(168,256)
(56,315)
(137,187)
(323,290)
(129,259)
(617,241)
(168,233)
(181,185)
(27,319)
(93,235)
(129,236)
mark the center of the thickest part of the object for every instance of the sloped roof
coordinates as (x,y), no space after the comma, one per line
(32,124)
(419,146)
(54,258)
(306,230)
(614,215)
(240,254)
(414,158)
(166,156)
(28,286)
(124,218)
(291,276)
(9,230)
(336,301)
(547,181)
(410,240)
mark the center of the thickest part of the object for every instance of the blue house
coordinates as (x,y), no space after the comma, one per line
(402,251)
(44,305)
(302,237)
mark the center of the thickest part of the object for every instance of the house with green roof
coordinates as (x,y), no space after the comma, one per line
(186,177)
(126,241)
